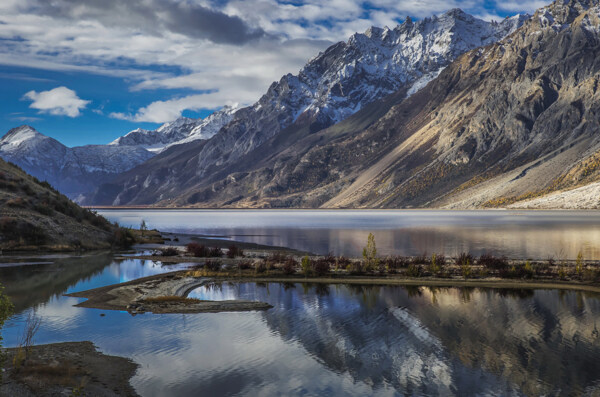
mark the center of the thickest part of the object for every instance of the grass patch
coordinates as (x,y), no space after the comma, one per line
(171,299)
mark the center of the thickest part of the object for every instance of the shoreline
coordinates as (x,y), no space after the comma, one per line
(156,294)
(67,368)
(492,209)
(133,296)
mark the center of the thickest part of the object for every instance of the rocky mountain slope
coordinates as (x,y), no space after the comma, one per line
(73,171)
(503,125)
(338,83)
(35,216)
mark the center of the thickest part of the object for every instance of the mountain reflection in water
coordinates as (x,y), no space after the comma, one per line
(328,339)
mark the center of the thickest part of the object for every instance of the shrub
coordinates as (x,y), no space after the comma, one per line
(260,267)
(122,238)
(544,267)
(413,270)
(43,208)
(342,262)
(19,231)
(591,275)
(289,266)
(528,270)
(436,266)
(277,257)
(169,251)
(562,273)
(394,263)
(320,267)
(215,253)
(522,271)
(420,260)
(356,267)
(213,266)
(463,258)
(493,262)
(244,265)
(234,251)
(198,250)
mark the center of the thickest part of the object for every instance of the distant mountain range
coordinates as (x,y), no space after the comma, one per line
(448,111)
(72,171)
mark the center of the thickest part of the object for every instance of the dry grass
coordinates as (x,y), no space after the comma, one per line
(171,299)
(38,374)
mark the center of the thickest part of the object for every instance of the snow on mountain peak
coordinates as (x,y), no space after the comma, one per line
(181,130)
(20,135)
(378,62)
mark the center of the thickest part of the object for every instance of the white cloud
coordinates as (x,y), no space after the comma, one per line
(59,101)
(82,36)
(520,5)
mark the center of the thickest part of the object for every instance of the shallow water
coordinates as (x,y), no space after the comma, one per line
(326,340)
(516,234)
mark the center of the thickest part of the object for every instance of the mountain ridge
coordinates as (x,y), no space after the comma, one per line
(71,170)
(340,81)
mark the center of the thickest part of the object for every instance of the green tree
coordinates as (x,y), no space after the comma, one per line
(370,254)
(143,227)
(306,266)
(579,264)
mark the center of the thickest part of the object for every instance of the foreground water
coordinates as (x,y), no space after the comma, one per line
(516,234)
(325,340)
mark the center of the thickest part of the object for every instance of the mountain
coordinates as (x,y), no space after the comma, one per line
(73,171)
(179,131)
(35,216)
(337,84)
(502,124)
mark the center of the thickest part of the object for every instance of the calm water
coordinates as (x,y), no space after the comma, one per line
(326,340)
(516,234)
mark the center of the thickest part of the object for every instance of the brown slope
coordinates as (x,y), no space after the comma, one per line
(519,113)
(33,215)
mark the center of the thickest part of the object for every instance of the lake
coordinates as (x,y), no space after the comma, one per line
(324,340)
(516,234)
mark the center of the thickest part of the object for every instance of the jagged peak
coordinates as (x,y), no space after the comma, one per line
(20,134)
(563,12)
(374,31)
(457,13)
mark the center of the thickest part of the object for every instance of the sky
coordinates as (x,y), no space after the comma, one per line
(89,71)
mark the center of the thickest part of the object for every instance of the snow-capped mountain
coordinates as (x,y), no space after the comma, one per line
(349,75)
(73,171)
(332,86)
(179,131)
(380,61)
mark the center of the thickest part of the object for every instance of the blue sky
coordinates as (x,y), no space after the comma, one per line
(89,71)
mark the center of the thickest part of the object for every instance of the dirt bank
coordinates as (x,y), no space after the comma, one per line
(157,294)
(70,368)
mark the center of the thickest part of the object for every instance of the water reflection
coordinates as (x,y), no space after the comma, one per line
(517,234)
(440,341)
(330,339)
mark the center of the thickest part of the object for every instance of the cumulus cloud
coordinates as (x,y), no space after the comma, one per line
(59,101)
(162,111)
